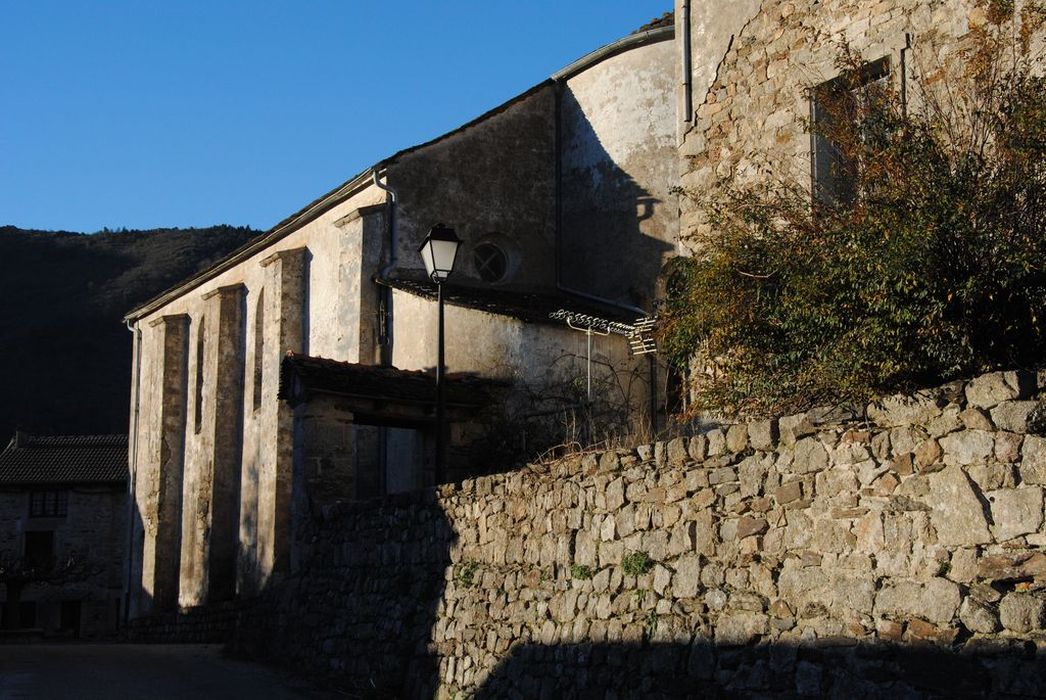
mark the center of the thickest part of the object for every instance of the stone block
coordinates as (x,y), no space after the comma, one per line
(1022,612)
(735,629)
(956,512)
(963,565)
(976,419)
(1033,461)
(990,390)
(794,428)
(748,526)
(677,451)
(968,447)
(751,473)
(1008,447)
(978,617)
(927,454)
(698,448)
(716,442)
(789,492)
(810,456)
(1020,416)
(737,438)
(1016,512)
(615,494)
(687,579)
(936,601)
(763,434)
(1012,567)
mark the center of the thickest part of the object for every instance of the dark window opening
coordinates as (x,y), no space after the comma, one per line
(39,548)
(491,262)
(841,111)
(48,504)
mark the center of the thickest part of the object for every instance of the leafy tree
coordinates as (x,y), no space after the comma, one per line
(16,573)
(935,267)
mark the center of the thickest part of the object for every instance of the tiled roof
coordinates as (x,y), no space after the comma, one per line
(377,382)
(668,19)
(64,459)
(531,306)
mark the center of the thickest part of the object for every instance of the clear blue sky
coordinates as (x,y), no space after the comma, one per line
(146,113)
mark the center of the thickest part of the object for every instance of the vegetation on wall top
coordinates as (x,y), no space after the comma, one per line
(934,267)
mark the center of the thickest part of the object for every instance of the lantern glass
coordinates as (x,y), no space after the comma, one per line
(439,251)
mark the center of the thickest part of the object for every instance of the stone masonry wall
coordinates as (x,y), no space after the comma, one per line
(838,552)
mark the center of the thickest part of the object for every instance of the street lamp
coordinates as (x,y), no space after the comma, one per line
(439,250)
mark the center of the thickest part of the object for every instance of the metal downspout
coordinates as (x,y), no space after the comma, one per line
(133,463)
(386,309)
(386,293)
(686,67)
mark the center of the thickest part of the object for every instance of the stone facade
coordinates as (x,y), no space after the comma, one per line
(63,544)
(95,529)
(845,552)
(754,63)
(216,454)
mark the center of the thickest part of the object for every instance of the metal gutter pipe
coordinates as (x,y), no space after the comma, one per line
(686,63)
(386,292)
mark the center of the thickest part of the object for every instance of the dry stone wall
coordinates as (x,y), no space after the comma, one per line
(841,552)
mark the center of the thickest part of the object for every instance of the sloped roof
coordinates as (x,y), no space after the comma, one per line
(660,29)
(377,382)
(64,459)
(526,305)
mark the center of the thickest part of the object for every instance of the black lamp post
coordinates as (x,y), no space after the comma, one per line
(439,250)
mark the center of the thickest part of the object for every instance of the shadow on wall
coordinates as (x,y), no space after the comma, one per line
(607,219)
(838,668)
(381,604)
(365,602)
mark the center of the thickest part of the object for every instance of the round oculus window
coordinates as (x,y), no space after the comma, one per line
(491,262)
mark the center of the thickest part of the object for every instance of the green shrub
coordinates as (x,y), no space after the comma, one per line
(936,269)
(465,574)
(581,572)
(636,563)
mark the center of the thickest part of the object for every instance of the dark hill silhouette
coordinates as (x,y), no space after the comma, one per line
(64,350)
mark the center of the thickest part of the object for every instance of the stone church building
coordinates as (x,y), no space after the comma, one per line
(298,370)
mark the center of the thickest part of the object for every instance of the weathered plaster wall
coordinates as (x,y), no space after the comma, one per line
(313,294)
(820,554)
(546,363)
(619,219)
(494,177)
(753,63)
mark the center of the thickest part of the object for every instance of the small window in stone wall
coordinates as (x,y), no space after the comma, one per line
(837,107)
(491,262)
(259,349)
(200,354)
(48,504)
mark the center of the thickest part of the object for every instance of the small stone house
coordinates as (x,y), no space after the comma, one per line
(63,502)
(298,370)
